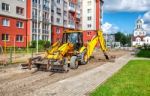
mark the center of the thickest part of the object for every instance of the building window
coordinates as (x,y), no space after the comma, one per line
(44,37)
(34,37)
(19,24)
(138,39)
(65,22)
(21,0)
(57,30)
(59,11)
(65,4)
(89,33)
(58,1)
(89,10)
(52,19)
(58,20)
(20,10)
(5,22)
(89,18)
(89,3)
(89,25)
(19,38)
(34,1)
(45,15)
(5,7)
(34,14)
(65,13)
(5,37)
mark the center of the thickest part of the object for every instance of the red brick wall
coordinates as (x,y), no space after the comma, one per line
(98,14)
(57,36)
(12,30)
(88,35)
(28,11)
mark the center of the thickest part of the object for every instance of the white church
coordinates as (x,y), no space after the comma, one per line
(140,36)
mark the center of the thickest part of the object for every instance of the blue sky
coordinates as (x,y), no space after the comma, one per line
(120,15)
(124,20)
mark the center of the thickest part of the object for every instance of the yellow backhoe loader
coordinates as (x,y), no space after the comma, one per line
(69,53)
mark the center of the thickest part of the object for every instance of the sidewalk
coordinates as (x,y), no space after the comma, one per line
(82,84)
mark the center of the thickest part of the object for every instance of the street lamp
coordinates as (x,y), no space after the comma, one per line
(37,37)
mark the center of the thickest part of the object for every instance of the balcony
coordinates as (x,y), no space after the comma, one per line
(72,7)
(71,24)
(45,8)
(46,20)
(34,5)
(34,17)
(65,25)
(78,16)
(45,31)
(52,12)
(78,26)
(34,31)
(65,17)
(78,11)
(59,13)
(65,5)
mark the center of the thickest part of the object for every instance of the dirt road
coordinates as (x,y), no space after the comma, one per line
(17,82)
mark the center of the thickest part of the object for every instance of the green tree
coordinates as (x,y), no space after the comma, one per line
(123,39)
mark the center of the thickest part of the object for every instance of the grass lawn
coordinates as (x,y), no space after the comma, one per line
(132,80)
(144,53)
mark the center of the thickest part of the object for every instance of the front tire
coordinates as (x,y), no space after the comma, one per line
(74,62)
(65,65)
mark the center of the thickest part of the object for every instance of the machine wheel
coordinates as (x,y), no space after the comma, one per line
(65,65)
(73,62)
(84,59)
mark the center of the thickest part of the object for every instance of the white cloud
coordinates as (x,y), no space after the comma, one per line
(146,19)
(127,5)
(146,27)
(109,28)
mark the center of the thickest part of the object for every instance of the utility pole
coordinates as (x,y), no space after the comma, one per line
(37,35)
(5,44)
(106,38)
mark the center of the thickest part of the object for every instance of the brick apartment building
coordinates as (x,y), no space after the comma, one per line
(13,23)
(22,20)
(91,17)
(66,14)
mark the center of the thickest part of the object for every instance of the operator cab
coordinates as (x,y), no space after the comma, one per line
(74,37)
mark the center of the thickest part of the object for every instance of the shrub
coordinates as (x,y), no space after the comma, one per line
(144,53)
(146,47)
(42,44)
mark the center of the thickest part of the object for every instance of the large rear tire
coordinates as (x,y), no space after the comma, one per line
(74,62)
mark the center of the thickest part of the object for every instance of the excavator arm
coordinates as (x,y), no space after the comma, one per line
(53,48)
(60,52)
(97,39)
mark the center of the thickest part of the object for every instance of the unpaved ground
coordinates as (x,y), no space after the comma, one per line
(17,82)
(16,58)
